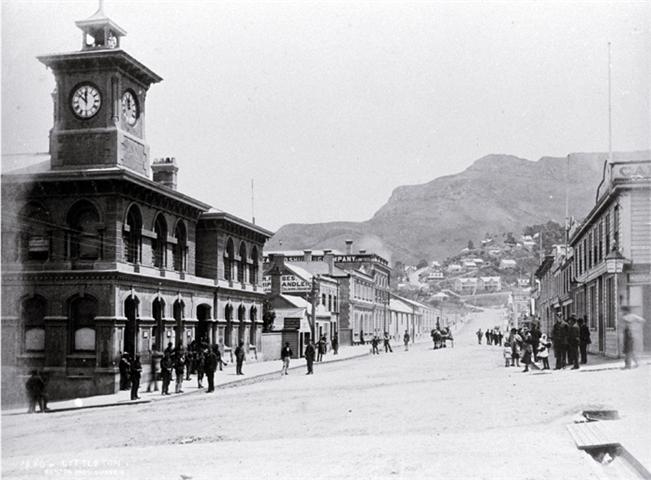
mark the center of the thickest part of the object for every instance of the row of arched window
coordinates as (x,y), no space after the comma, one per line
(238,268)
(132,240)
(84,240)
(82,312)
(81,317)
(84,236)
(83,232)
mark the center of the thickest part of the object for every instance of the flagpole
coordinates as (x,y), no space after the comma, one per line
(610,106)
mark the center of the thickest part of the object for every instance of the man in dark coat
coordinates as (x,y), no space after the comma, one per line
(573,342)
(374,344)
(210,366)
(136,372)
(309,357)
(335,344)
(166,365)
(584,336)
(321,348)
(557,342)
(125,368)
(240,356)
(479,335)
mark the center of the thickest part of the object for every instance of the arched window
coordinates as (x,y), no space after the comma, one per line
(35,232)
(82,323)
(253,268)
(228,312)
(181,247)
(158,312)
(131,235)
(242,266)
(229,258)
(159,244)
(253,313)
(179,315)
(241,313)
(32,314)
(85,237)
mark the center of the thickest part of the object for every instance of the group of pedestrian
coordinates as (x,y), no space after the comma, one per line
(440,336)
(494,336)
(36,395)
(313,352)
(570,341)
(530,346)
(130,373)
(375,344)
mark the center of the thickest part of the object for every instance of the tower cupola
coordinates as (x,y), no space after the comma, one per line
(99,31)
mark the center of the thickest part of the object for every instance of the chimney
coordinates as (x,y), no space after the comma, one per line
(165,170)
(349,247)
(277,267)
(307,255)
(329,259)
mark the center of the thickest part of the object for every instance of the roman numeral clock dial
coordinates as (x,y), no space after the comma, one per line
(129,108)
(86,101)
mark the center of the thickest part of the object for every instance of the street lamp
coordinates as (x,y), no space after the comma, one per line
(615,261)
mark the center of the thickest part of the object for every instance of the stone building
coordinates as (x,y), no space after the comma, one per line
(101,254)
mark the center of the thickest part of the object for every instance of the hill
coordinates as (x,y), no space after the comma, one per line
(497,193)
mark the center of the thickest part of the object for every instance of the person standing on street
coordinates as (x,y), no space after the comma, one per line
(543,351)
(406,339)
(557,341)
(633,326)
(335,344)
(573,342)
(535,339)
(179,369)
(166,366)
(240,356)
(200,365)
(321,348)
(286,354)
(309,357)
(387,344)
(584,336)
(156,357)
(479,335)
(124,368)
(136,373)
(374,344)
(210,365)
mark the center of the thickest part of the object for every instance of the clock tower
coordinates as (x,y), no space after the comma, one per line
(99,101)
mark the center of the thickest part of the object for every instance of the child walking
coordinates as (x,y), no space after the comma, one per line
(507,354)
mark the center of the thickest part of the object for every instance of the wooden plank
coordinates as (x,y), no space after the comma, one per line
(589,435)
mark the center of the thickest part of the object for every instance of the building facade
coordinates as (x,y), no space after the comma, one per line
(101,254)
(620,221)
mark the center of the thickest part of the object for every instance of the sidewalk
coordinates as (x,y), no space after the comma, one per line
(253,372)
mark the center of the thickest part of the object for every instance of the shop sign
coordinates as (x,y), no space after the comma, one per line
(633,171)
(288,283)
(39,244)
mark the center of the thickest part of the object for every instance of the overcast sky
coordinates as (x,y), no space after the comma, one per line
(331,105)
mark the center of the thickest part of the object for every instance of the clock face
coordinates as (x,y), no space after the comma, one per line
(129,108)
(86,101)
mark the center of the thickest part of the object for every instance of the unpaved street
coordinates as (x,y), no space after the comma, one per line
(450,413)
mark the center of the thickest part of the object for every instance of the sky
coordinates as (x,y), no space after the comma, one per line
(329,106)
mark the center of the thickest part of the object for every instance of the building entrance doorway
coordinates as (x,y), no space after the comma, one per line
(203,327)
